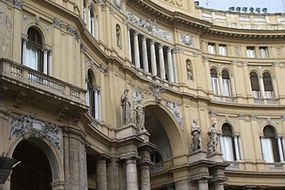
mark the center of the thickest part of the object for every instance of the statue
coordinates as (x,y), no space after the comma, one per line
(139,117)
(126,107)
(196,132)
(213,143)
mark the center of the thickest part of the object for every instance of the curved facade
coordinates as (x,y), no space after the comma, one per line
(140,95)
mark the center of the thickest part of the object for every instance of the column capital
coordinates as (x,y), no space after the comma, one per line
(135,33)
(143,37)
(169,49)
(160,46)
(151,42)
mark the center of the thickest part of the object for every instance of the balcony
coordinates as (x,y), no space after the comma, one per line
(23,76)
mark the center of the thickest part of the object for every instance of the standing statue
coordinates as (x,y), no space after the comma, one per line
(126,107)
(213,143)
(139,117)
(196,133)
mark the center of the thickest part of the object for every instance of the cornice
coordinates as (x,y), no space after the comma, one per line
(203,27)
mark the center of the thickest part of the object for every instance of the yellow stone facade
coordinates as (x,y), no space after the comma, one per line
(140,95)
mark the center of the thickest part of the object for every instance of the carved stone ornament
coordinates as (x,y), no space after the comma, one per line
(174,108)
(186,39)
(150,26)
(28,126)
(156,91)
(118,3)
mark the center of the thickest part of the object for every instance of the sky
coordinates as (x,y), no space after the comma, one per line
(271,5)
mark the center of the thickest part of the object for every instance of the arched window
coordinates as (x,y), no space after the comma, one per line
(254,85)
(272,147)
(214,81)
(33,52)
(92,21)
(268,88)
(118,36)
(230,144)
(189,68)
(226,83)
(93,97)
(155,157)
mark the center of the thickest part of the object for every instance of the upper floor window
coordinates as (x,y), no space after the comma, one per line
(272,146)
(255,85)
(34,54)
(84,11)
(214,81)
(230,144)
(189,68)
(226,83)
(263,52)
(222,49)
(93,97)
(212,48)
(250,50)
(268,88)
(92,21)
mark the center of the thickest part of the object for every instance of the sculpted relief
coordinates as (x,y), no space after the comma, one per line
(174,2)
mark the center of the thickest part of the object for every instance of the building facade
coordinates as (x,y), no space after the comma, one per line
(140,95)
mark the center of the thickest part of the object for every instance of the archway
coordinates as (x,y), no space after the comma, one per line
(34,171)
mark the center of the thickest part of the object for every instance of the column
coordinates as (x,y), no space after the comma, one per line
(101,174)
(144,51)
(136,47)
(161,62)
(113,175)
(174,66)
(50,63)
(261,86)
(129,45)
(24,51)
(237,150)
(170,65)
(280,149)
(131,174)
(219,186)
(153,58)
(145,177)
(45,66)
(203,184)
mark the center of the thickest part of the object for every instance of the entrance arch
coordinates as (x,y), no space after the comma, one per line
(159,122)
(35,170)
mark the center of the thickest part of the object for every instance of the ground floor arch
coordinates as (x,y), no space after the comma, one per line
(34,172)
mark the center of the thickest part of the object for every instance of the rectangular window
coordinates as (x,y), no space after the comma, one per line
(267,151)
(227,87)
(212,48)
(227,148)
(223,49)
(250,51)
(263,52)
(97,100)
(215,85)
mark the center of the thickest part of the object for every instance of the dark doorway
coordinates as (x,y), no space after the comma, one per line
(34,172)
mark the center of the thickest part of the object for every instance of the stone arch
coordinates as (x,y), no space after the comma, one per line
(39,28)
(171,127)
(53,155)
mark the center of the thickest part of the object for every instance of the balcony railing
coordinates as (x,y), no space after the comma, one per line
(10,70)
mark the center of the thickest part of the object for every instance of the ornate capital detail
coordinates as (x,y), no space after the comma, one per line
(57,23)
(28,126)
(174,108)
(187,39)
(150,26)
(18,4)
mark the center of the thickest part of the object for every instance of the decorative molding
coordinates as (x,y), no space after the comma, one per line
(28,126)
(174,108)
(18,4)
(150,26)
(57,23)
(187,39)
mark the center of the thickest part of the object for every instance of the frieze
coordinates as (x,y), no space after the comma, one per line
(174,2)
(66,28)
(150,26)
(174,108)
(28,126)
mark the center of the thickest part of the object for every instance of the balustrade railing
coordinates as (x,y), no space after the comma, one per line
(25,75)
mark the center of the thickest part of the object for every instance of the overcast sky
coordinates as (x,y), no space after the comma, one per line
(271,5)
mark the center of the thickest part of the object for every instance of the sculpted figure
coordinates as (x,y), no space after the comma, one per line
(126,107)
(213,142)
(139,117)
(196,133)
